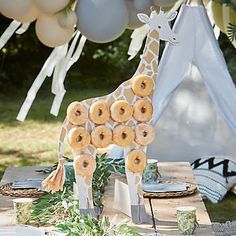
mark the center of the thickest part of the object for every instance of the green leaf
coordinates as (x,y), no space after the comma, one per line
(231,32)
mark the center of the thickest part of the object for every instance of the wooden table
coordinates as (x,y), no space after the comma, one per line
(11,174)
(164,209)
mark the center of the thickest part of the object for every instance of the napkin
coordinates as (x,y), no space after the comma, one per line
(162,188)
(27,183)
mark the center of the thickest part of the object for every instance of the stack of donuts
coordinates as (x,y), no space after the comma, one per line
(101,136)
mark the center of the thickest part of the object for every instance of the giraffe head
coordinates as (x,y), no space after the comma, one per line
(160,23)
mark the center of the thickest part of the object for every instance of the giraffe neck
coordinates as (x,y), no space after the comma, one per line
(149,61)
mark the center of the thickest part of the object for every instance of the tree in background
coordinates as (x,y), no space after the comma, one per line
(104,64)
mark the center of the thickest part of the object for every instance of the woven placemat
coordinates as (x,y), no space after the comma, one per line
(7,190)
(191,188)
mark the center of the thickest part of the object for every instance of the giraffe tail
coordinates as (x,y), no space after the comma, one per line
(55,181)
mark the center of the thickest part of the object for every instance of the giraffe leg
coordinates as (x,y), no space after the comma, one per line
(84,187)
(138,211)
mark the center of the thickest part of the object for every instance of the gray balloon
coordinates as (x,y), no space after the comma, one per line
(164,3)
(142,4)
(102,21)
(135,7)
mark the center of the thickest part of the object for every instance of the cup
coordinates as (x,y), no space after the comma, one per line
(150,173)
(23,208)
(186,218)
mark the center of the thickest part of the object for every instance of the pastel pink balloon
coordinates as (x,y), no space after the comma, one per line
(50,33)
(15,8)
(31,15)
(51,6)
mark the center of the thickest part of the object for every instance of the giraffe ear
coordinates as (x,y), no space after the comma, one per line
(143,18)
(171,16)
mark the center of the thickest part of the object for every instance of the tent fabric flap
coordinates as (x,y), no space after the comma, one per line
(198,46)
(195,98)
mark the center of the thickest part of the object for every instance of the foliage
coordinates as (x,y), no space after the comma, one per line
(23,56)
(229,54)
(231,32)
(105,167)
(50,209)
(228,3)
(107,64)
(62,208)
(88,226)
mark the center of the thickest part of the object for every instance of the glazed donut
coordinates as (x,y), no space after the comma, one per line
(79,138)
(99,112)
(123,135)
(77,114)
(84,165)
(144,134)
(142,85)
(143,110)
(121,111)
(101,136)
(136,161)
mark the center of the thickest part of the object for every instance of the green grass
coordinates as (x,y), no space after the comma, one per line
(34,142)
(223,211)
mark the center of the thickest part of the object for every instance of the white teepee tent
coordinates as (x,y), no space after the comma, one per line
(195,97)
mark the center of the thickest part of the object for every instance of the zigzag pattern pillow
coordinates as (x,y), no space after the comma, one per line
(215,176)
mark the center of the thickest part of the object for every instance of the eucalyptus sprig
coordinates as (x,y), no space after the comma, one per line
(62,208)
(50,208)
(231,31)
(88,226)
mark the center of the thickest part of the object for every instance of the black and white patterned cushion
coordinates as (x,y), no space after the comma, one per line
(215,176)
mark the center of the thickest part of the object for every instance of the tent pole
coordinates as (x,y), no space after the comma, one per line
(194,2)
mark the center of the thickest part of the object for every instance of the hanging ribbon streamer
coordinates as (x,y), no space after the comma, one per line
(46,70)
(78,52)
(24,27)
(137,37)
(57,64)
(61,71)
(11,29)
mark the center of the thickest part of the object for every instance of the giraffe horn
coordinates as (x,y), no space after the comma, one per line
(152,8)
(161,12)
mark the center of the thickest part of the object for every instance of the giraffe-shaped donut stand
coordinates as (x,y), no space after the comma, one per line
(122,118)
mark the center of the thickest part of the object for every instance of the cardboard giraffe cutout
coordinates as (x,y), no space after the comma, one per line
(122,117)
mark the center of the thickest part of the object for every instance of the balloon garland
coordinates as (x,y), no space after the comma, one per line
(52,28)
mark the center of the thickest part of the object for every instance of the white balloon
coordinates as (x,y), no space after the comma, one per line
(102,21)
(30,16)
(15,8)
(51,6)
(67,19)
(135,7)
(164,3)
(50,33)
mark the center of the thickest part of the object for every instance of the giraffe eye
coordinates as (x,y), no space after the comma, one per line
(159,27)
